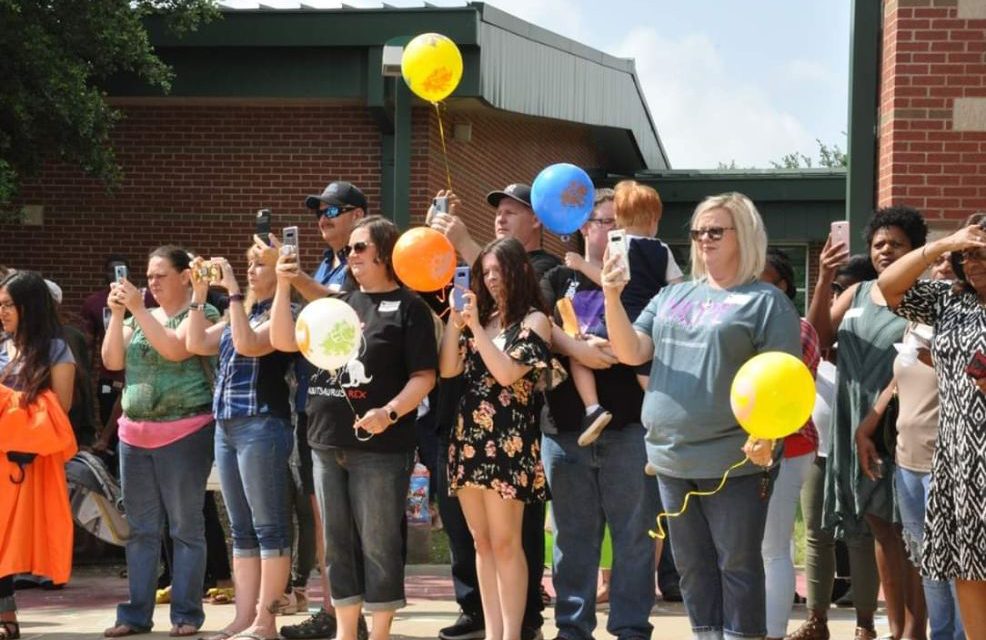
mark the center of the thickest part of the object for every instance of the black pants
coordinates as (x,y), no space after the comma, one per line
(463,550)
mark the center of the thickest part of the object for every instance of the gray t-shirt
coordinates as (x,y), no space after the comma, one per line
(702,336)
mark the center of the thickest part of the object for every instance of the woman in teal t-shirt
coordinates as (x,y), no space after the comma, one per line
(166,433)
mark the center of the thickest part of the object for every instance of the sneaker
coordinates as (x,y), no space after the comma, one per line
(320,625)
(531,633)
(466,627)
(593,425)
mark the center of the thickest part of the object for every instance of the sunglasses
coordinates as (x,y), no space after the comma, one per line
(356,247)
(979,255)
(713,233)
(332,211)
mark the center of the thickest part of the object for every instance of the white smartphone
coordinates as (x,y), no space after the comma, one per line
(290,239)
(840,233)
(460,283)
(619,246)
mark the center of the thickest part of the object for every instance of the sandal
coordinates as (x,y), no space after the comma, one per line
(123,630)
(183,630)
(220,595)
(10,630)
(219,635)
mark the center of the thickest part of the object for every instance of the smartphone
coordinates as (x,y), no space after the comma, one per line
(440,204)
(120,272)
(840,233)
(290,238)
(263,223)
(977,368)
(618,246)
(460,282)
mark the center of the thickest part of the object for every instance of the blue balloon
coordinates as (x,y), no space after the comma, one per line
(562,198)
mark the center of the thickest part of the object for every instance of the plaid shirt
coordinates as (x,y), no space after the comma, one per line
(811,355)
(237,375)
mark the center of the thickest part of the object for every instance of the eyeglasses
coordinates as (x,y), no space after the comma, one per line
(979,255)
(356,247)
(332,211)
(602,222)
(714,233)
(6,306)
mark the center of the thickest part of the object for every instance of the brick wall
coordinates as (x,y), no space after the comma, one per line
(195,175)
(932,154)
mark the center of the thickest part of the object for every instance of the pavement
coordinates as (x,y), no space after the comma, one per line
(86,606)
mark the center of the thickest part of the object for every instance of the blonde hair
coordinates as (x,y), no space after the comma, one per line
(750,235)
(636,204)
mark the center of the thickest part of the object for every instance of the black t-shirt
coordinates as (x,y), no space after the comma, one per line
(398,339)
(617,387)
(648,259)
(542,262)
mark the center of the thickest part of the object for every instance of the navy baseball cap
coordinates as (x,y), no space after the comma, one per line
(516,191)
(338,194)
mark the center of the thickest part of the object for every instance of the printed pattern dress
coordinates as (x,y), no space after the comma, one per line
(496,442)
(955,523)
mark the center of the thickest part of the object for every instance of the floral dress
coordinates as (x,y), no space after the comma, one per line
(955,522)
(496,442)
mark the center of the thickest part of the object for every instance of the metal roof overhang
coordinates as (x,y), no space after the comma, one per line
(333,55)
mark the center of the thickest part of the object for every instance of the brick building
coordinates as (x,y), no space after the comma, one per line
(269,106)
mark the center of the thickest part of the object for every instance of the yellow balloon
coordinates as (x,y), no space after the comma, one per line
(431,66)
(772,395)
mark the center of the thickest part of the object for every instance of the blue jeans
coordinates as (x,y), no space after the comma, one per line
(362,495)
(912,497)
(252,456)
(590,487)
(717,551)
(167,483)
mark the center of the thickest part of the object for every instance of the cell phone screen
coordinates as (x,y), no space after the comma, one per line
(263,223)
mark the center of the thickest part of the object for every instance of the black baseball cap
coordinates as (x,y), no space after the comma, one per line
(516,191)
(339,194)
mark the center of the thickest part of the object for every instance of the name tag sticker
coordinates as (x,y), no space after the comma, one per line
(389,306)
(738,298)
(855,312)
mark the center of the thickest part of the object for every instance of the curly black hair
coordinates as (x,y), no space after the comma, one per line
(781,262)
(859,268)
(907,219)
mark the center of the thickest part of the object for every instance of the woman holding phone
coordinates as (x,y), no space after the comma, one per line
(499,342)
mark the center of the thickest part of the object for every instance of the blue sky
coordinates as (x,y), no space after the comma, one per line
(726,80)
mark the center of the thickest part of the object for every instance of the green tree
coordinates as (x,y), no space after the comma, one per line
(56,57)
(829,157)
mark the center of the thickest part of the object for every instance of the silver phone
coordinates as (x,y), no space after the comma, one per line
(440,204)
(290,239)
(619,246)
(120,272)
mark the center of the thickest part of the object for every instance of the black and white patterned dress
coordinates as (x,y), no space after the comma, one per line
(955,524)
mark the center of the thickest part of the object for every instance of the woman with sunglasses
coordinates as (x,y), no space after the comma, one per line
(499,341)
(34,358)
(861,510)
(166,439)
(253,432)
(698,334)
(361,427)
(955,524)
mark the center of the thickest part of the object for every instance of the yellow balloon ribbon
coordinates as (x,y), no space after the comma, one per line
(660,533)
(441,134)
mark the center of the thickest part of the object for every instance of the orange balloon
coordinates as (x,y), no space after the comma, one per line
(424,259)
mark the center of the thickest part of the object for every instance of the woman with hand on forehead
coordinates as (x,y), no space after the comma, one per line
(698,334)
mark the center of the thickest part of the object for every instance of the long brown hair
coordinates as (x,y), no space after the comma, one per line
(521,286)
(37,326)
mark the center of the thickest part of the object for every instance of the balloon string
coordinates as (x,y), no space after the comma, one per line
(660,533)
(441,133)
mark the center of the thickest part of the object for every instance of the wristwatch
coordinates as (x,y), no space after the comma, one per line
(197,306)
(392,414)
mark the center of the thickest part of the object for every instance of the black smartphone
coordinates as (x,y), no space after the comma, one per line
(263,223)
(460,282)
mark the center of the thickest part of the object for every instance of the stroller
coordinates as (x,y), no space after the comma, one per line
(96,499)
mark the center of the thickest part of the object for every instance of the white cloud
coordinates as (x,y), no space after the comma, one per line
(705,115)
(563,17)
(809,71)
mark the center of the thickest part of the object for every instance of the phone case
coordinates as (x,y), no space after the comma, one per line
(461,279)
(977,368)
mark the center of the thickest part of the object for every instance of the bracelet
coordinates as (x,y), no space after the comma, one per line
(237,297)
(197,306)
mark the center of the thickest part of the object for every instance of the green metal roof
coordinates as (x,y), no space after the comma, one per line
(797,205)
(333,54)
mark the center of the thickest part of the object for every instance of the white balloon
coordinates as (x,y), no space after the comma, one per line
(328,333)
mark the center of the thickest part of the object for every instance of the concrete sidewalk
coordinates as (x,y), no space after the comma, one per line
(87,605)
